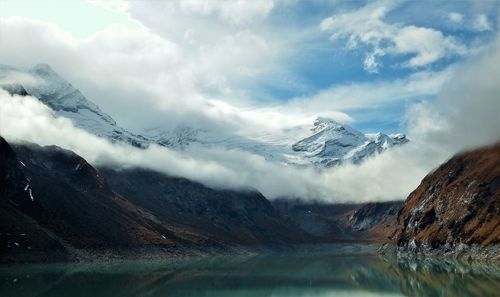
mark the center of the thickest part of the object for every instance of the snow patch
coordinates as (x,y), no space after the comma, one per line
(31,195)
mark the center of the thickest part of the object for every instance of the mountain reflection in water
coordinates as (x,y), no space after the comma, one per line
(265,275)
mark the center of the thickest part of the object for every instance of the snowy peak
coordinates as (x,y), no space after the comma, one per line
(321,124)
(178,138)
(399,138)
(67,101)
(334,143)
(59,94)
(328,133)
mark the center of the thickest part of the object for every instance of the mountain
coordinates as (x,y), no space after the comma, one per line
(329,143)
(223,216)
(341,222)
(56,206)
(333,143)
(455,208)
(68,102)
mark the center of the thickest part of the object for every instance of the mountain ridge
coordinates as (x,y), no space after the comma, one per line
(455,210)
(330,144)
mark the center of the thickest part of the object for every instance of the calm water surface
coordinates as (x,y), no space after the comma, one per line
(265,275)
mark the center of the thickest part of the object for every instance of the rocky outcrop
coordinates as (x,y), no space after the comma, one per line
(371,222)
(456,207)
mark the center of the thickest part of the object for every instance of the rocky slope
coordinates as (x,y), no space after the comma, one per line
(455,207)
(54,204)
(57,206)
(334,222)
(225,216)
(15,225)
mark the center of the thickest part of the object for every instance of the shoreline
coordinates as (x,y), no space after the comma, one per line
(462,252)
(182,253)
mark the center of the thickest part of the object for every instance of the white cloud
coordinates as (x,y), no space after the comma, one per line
(427,45)
(370,63)
(232,11)
(376,93)
(121,6)
(456,18)
(175,70)
(481,23)
(366,26)
(160,81)
(468,109)
(160,84)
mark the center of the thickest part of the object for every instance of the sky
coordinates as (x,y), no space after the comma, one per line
(425,68)
(260,54)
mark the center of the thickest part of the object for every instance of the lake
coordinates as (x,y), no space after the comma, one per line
(290,274)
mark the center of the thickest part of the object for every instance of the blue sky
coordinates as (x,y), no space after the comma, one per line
(308,54)
(323,63)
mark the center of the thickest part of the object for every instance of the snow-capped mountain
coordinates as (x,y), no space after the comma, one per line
(328,143)
(69,102)
(333,143)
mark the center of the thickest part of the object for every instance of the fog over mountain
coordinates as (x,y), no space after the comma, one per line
(464,116)
(226,91)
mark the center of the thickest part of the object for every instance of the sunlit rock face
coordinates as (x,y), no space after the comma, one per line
(456,206)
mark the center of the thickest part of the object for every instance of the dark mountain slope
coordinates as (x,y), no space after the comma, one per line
(54,204)
(334,222)
(243,217)
(20,235)
(71,198)
(456,204)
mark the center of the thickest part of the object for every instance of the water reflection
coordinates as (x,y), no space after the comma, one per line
(272,275)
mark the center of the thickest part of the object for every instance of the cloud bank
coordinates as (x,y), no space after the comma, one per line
(466,115)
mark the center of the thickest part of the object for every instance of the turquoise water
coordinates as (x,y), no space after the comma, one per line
(266,275)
